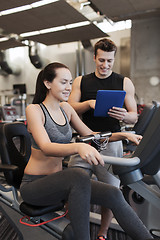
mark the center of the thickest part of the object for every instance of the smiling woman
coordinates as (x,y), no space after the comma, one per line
(62,79)
(44,182)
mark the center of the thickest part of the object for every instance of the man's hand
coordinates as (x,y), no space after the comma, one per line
(92,103)
(118,113)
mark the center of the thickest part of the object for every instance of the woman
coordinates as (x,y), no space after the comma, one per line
(44,182)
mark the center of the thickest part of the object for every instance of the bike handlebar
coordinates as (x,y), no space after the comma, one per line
(91,137)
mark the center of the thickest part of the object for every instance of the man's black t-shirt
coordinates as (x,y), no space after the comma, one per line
(90,84)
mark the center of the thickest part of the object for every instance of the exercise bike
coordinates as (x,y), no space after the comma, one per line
(15,150)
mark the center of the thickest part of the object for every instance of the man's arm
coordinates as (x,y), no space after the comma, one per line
(130,102)
(128,115)
(75,96)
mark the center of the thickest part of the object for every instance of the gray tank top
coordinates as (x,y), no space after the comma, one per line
(57,133)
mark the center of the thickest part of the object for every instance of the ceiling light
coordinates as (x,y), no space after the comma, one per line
(3,39)
(14,10)
(28,34)
(42,3)
(79,24)
(55,29)
(27,7)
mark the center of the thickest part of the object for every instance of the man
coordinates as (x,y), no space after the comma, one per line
(83,99)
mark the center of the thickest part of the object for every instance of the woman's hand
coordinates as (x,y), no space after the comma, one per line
(89,154)
(135,138)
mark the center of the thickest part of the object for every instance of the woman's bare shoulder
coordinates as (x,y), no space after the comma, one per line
(67,108)
(34,116)
(33,108)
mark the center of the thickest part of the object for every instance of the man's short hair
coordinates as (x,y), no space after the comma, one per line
(106,45)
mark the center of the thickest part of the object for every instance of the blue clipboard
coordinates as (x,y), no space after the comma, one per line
(106,99)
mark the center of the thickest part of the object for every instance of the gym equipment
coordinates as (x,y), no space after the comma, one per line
(145,117)
(15,149)
(8,230)
(99,140)
(143,179)
(148,213)
(8,113)
(96,141)
(142,124)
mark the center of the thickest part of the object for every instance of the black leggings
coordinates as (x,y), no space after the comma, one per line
(75,187)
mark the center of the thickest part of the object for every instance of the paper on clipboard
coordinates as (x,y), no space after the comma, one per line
(106,99)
